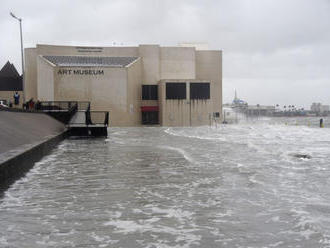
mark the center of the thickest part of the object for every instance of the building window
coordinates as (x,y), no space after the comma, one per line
(149,92)
(199,90)
(176,91)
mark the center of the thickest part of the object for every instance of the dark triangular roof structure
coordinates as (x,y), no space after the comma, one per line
(10,80)
(9,70)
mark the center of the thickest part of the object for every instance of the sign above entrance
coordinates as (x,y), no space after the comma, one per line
(89,49)
(80,72)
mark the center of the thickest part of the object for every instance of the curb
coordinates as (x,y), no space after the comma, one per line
(17,166)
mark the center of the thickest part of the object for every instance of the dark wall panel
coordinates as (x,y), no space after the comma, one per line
(11,84)
(199,90)
(176,91)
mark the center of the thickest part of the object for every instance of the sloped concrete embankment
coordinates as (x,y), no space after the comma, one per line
(24,139)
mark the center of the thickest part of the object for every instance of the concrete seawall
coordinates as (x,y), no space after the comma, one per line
(24,139)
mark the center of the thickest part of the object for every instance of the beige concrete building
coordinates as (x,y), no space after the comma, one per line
(148,84)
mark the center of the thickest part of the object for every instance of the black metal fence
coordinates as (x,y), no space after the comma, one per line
(92,118)
(60,105)
(83,105)
(54,105)
(100,117)
(64,111)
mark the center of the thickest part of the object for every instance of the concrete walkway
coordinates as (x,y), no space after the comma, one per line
(19,128)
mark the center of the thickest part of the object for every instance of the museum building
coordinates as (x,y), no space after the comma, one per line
(143,85)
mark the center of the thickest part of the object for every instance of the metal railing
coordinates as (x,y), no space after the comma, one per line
(99,118)
(84,117)
(60,105)
(83,105)
(91,118)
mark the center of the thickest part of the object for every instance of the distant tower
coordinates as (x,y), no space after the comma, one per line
(238,102)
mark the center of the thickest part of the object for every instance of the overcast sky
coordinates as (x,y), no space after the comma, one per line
(274,51)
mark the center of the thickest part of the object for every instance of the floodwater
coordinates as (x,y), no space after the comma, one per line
(242,185)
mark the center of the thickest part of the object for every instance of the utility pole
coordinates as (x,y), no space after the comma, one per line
(22,53)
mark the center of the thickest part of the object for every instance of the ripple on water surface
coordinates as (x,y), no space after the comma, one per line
(230,186)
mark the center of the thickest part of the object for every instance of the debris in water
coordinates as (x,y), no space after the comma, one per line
(304,156)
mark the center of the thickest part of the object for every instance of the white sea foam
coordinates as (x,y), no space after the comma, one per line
(179,214)
(305,226)
(277,244)
(252,179)
(275,218)
(11,200)
(200,182)
(114,214)
(104,240)
(203,133)
(128,226)
(4,242)
(180,151)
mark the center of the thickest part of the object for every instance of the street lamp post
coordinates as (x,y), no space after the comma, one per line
(22,53)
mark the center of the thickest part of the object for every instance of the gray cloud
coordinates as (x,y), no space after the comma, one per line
(275,51)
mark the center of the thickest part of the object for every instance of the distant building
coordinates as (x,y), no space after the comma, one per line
(318,108)
(146,84)
(325,108)
(260,110)
(10,82)
(239,103)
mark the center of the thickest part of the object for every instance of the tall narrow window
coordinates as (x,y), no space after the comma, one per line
(176,91)
(149,92)
(199,90)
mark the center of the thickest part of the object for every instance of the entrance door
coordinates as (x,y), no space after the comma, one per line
(150,118)
(150,115)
